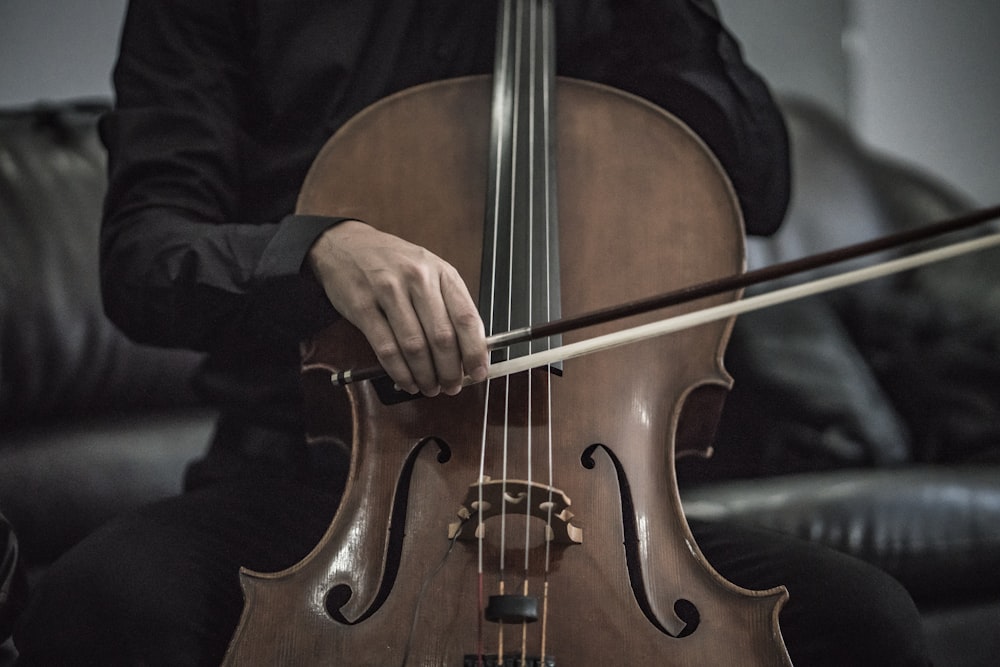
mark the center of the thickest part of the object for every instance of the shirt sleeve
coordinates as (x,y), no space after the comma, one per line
(181,265)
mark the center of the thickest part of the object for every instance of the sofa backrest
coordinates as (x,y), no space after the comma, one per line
(900,369)
(59,355)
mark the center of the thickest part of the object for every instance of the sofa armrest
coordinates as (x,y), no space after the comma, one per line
(59,483)
(935,528)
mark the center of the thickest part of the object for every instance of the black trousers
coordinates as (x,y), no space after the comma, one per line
(160,587)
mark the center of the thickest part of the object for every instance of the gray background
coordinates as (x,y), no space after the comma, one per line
(916,78)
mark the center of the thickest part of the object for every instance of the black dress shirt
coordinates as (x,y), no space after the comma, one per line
(222,105)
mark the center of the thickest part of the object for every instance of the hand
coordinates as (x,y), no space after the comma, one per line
(412,306)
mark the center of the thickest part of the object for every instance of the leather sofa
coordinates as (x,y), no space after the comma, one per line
(90,423)
(865,419)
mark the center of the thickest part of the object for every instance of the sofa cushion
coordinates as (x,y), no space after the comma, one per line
(938,360)
(806,397)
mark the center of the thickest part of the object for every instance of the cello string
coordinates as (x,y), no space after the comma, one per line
(480,530)
(530,290)
(515,159)
(503,513)
(548,33)
(512,223)
(501,104)
(531,159)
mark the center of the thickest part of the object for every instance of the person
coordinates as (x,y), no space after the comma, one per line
(221,107)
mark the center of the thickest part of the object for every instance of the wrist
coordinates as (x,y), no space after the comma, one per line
(327,243)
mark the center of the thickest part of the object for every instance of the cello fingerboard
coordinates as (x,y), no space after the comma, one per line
(519,286)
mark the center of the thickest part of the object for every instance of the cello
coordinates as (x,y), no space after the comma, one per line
(533,519)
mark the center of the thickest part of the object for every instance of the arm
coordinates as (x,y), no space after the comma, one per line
(182,263)
(185,263)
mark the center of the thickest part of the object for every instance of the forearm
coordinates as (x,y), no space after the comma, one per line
(171,280)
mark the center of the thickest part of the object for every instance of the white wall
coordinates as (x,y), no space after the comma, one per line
(57,49)
(926,86)
(796,44)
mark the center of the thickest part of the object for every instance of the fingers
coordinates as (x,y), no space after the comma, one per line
(438,333)
(413,307)
(468,326)
(423,347)
(453,330)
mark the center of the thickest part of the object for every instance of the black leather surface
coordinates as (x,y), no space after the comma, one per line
(59,356)
(935,528)
(868,419)
(13,586)
(90,423)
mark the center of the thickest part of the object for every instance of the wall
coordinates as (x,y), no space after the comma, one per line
(57,49)
(926,86)
(796,44)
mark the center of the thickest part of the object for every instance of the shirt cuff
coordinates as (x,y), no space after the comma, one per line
(291,303)
(286,252)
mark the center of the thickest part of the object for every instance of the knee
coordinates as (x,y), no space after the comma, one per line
(860,617)
(107,601)
(65,619)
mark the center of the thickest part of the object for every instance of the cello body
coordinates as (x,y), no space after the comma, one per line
(592,525)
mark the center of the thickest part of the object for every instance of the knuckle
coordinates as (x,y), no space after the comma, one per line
(385,284)
(443,339)
(387,352)
(412,346)
(468,320)
(361,312)
(450,273)
(366,308)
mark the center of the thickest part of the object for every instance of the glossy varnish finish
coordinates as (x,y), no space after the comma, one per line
(643,208)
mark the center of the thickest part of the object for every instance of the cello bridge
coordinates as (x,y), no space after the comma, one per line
(496,661)
(492,498)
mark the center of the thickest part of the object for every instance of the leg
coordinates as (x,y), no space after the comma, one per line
(840,611)
(160,586)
